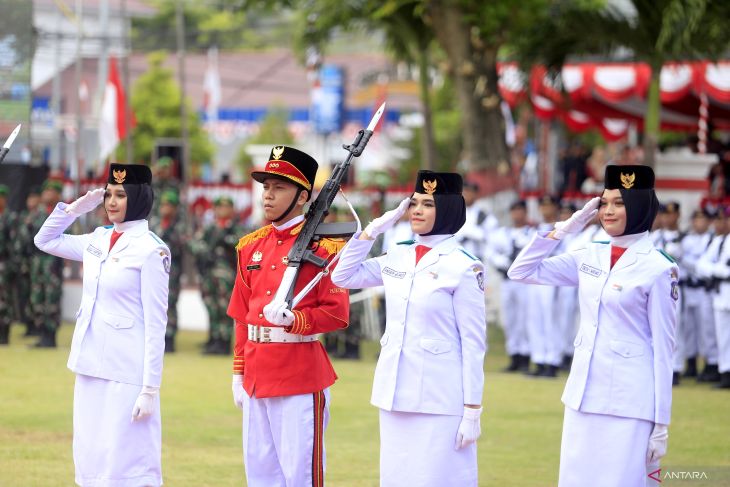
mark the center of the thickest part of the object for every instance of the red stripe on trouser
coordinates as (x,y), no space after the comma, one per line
(317,444)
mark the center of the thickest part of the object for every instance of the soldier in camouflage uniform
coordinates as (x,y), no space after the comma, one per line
(46,274)
(169,227)
(162,182)
(21,236)
(215,252)
(5,283)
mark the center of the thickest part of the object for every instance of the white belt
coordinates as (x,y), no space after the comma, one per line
(276,334)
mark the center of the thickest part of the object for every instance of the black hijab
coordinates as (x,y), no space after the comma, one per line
(445,187)
(136,180)
(636,184)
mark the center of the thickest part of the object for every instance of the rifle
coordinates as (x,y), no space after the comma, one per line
(314,228)
(6,147)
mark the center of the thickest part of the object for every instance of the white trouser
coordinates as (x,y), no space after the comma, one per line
(722,328)
(567,317)
(699,325)
(514,316)
(283,440)
(542,330)
(680,349)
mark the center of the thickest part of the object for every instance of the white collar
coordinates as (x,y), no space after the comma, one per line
(124,226)
(431,240)
(626,241)
(294,221)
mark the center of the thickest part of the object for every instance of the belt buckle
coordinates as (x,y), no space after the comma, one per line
(266,338)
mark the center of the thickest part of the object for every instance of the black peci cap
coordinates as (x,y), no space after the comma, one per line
(629,177)
(129,174)
(429,182)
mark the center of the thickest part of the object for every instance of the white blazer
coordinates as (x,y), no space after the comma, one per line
(120,325)
(433,348)
(623,350)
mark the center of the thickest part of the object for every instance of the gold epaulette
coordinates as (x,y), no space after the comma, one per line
(253,236)
(332,245)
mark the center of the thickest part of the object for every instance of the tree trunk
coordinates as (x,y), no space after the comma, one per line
(428,145)
(473,67)
(651,118)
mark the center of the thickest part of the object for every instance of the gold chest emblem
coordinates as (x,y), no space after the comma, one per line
(285,260)
(257,256)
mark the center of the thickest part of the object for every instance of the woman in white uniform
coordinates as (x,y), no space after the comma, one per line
(429,377)
(119,338)
(618,396)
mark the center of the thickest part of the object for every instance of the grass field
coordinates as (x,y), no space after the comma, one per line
(519,446)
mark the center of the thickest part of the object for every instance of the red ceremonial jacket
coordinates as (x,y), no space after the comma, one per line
(283,369)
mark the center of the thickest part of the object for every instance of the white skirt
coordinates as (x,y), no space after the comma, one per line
(109,449)
(604,451)
(417,450)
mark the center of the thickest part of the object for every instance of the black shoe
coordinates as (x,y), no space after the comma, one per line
(675,378)
(169,344)
(523,363)
(4,334)
(567,362)
(709,374)
(205,345)
(691,369)
(32,331)
(47,340)
(514,364)
(724,381)
(218,347)
(537,372)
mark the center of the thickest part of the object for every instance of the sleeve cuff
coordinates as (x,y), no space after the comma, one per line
(238,364)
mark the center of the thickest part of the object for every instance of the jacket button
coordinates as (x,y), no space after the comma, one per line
(273,267)
(278,242)
(268,293)
(261,315)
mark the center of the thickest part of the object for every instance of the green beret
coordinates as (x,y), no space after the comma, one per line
(3,190)
(170,196)
(223,200)
(52,184)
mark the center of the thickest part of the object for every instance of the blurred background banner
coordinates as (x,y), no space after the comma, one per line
(16,55)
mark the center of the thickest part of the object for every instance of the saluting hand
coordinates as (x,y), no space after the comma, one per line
(577,220)
(87,202)
(386,221)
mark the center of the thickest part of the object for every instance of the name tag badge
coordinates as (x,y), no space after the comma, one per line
(94,251)
(590,270)
(393,273)
(253,267)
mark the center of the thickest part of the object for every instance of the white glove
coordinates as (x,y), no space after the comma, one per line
(387,220)
(87,202)
(470,428)
(277,313)
(237,389)
(144,406)
(657,444)
(578,220)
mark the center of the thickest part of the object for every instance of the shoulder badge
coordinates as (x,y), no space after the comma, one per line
(406,242)
(468,254)
(332,245)
(479,273)
(667,256)
(253,236)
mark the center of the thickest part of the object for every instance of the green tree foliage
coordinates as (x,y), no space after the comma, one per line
(651,31)
(156,106)
(273,130)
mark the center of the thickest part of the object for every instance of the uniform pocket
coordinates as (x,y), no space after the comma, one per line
(118,322)
(435,346)
(626,349)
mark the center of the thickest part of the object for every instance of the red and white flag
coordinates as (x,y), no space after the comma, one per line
(212,87)
(112,126)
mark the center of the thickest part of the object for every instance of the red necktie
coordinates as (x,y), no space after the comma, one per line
(421,251)
(115,237)
(616,253)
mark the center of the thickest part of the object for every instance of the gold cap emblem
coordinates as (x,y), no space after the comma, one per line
(627,180)
(119,176)
(277,152)
(430,186)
